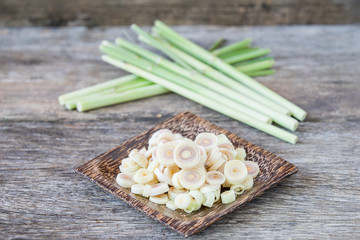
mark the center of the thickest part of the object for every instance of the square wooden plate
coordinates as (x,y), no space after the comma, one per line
(103,169)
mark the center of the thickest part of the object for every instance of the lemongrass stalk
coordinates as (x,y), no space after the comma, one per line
(264,72)
(237,52)
(216,44)
(125,55)
(210,59)
(255,65)
(71,104)
(208,102)
(232,47)
(130,95)
(96,88)
(279,118)
(257,52)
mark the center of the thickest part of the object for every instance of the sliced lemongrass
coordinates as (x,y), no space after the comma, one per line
(128,165)
(164,137)
(228,196)
(171,205)
(248,182)
(165,153)
(124,180)
(153,164)
(209,199)
(209,188)
(148,154)
(228,154)
(221,168)
(147,190)
(240,154)
(175,181)
(215,178)
(173,192)
(161,176)
(137,189)
(170,171)
(154,181)
(224,142)
(238,189)
(217,164)
(217,196)
(187,155)
(252,168)
(143,176)
(193,206)
(214,156)
(140,159)
(178,136)
(191,178)
(235,172)
(198,196)
(158,189)
(182,201)
(159,199)
(203,155)
(143,151)
(206,140)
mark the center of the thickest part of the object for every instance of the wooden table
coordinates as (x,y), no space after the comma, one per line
(318,67)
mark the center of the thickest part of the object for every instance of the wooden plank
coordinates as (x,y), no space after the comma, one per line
(41,143)
(179,12)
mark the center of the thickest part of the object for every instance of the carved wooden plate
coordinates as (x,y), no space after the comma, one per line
(103,169)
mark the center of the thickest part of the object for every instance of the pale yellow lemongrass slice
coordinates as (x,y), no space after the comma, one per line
(170,171)
(228,154)
(203,155)
(193,206)
(221,168)
(198,196)
(182,201)
(124,180)
(164,137)
(171,205)
(128,165)
(191,178)
(238,189)
(217,164)
(148,154)
(143,176)
(209,199)
(209,188)
(217,196)
(224,142)
(248,182)
(162,177)
(228,197)
(153,164)
(158,132)
(165,154)
(213,157)
(137,189)
(235,171)
(207,140)
(215,178)
(173,192)
(187,155)
(252,168)
(143,151)
(178,136)
(159,199)
(240,154)
(140,159)
(147,190)
(154,181)
(158,189)
(175,181)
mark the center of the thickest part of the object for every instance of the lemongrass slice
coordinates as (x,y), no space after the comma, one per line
(175,181)
(198,196)
(128,165)
(217,164)
(143,151)
(171,205)
(170,171)
(217,196)
(182,201)
(209,199)
(173,192)
(159,199)
(153,164)
(143,176)
(221,168)
(224,142)
(248,182)
(153,182)
(191,178)
(213,157)
(235,171)
(228,154)
(209,188)
(193,206)
(238,189)
(124,180)
(165,154)
(162,177)
(207,140)
(140,159)
(137,189)
(228,197)
(215,178)
(178,136)
(252,168)
(187,155)
(240,154)
(203,155)
(148,154)
(158,132)
(133,152)
(147,190)
(164,137)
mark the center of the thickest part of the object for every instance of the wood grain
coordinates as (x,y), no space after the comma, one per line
(103,170)
(15,13)
(41,144)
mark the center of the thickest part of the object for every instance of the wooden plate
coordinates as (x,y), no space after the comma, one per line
(103,169)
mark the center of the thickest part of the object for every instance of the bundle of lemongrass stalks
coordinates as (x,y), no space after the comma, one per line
(205,77)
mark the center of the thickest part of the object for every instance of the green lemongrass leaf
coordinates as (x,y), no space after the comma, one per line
(216,44)
(255,65)
(232,47)
(247,55)
(265,72)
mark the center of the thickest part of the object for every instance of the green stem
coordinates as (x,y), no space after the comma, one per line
(216,44)
(232,47)
(208,102)
(254,53)
(261,73)
(255,65)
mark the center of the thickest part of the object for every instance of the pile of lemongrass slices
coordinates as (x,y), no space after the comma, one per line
(186,174)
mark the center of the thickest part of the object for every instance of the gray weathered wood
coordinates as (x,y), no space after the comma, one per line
(41,143)
(179,12)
